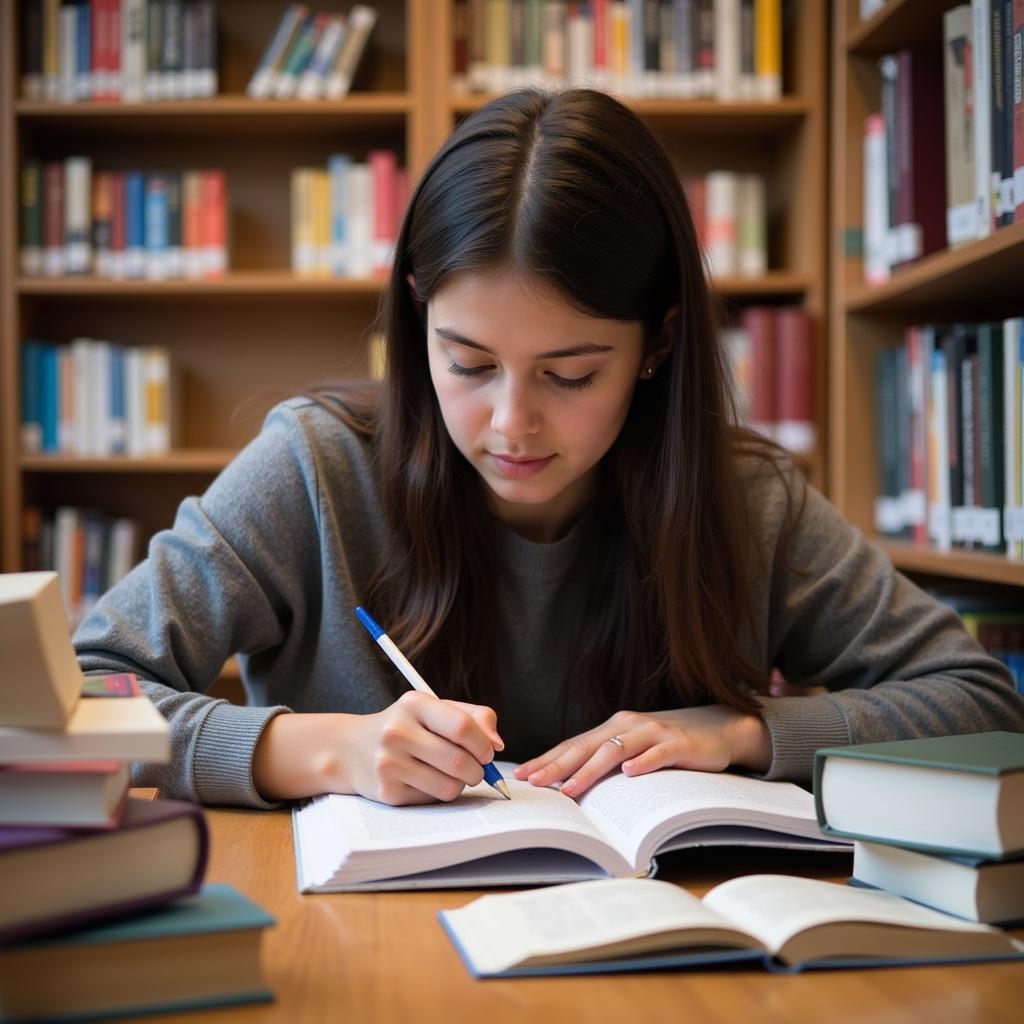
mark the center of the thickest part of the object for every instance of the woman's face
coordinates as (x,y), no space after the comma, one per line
(532,391)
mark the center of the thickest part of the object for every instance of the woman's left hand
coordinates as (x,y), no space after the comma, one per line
(707,739)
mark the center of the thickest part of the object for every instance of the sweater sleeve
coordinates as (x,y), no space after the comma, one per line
(229,577)
(895,662)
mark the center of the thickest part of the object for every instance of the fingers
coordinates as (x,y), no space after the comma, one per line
(485,718)
(631,748)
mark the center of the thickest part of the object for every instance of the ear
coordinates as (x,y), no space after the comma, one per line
(661,346)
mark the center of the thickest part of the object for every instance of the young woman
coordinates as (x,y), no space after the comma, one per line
(546,507)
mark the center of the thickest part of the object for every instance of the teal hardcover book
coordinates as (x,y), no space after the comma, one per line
(959,795)
(199,951)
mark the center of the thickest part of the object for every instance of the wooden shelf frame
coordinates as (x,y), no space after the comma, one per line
(979,281)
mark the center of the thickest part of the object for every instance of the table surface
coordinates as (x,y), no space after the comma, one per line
(384,957)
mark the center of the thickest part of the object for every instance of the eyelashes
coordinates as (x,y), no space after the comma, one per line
(566,383)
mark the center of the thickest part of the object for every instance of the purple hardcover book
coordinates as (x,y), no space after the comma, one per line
(52,879)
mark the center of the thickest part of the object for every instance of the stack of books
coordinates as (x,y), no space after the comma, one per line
(126,51)
(939,821)
(312,56)
(87,870)
(151,225)
(345,217)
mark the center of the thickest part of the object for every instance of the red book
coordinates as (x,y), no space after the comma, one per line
(759,323)
(213,223)
(920,155)
(52,879)
(383,170)
(599,16)
(696,195)
(113,49)
(99,21)
(794,375)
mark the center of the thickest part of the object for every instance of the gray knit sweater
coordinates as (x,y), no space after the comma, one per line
(270,562)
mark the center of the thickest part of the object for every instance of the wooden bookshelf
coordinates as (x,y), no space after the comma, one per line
(259,333)
(980,281)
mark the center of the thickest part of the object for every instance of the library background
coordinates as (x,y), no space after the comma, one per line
(198,198)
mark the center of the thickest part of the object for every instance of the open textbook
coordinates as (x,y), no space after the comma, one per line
(616,829)
(776,921)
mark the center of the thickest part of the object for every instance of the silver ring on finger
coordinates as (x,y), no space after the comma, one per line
(617,740)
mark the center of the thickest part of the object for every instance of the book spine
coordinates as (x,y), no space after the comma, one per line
(83,51)
(191,224)
(727,50)
(876,202)
(768,49)
(68,431)
(794,367)
(77,215)
(322,221)
(915,499)
(114,49)
(992,437)
(118,228)
(961,208)
(314,78)
(337,171)
(32,50)
(49,402)
(1018,110)
(981,56)
(359,206)
(214,223)
(747,73)
(361,20)
(706,48)
(383,166)
(154,86)
(207,75)
(888,512)
(189,49)
(31,243)
(117,429)
(1006,200)
(103,223)
(759,323)
(175,255)
(135,224)
(287,79)
(100,22)
(156,408)
(53,223)
(31,397)
(752,252)
(67,36)
(172,50)
(1013,517)
(261,85)
(133,51)
(51,50)
(722,204)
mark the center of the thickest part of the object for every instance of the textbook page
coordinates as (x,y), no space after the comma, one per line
(349,840)
(586,920)
(800,919)
(641,814)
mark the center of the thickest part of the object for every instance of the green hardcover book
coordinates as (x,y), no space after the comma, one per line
(946,794)
(993,467)
(31,242)
(203,950)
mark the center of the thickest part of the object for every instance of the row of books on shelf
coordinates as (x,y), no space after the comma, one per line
(88,549)
(118,50)
(728,210)
(948,433)
(722,49)
(771,356)
(135,224)
(313,55)
(345,216)
(998,627)
(940,174)
(100,888)
(93,398)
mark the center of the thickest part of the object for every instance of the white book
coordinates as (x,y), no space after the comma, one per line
(615,829)
(940,512)
(99,728)
(361,20)
(134,402)
(97,400)
(981,63)
(876,202)
(359,219)
(133,51)
(65,523)
(68,54)
(722,204)
(1012,433)
(39,675)
(337,170)
(579,51)
(777,922)
(81,389)
(122,552)
(78,215)
(727,49)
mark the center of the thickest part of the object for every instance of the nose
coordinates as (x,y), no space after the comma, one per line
(514,414)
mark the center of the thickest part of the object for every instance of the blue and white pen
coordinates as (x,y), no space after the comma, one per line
(491,774)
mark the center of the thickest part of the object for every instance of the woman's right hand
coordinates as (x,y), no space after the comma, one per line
(418,750)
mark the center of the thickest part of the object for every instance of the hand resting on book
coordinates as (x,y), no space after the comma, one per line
(709,738)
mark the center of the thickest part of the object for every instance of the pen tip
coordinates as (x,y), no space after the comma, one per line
(502,788)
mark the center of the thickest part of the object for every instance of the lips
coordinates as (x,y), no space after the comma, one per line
(519,467)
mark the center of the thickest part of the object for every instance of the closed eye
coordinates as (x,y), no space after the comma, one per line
(573,383)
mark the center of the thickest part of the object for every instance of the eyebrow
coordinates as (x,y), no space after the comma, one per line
(585,349)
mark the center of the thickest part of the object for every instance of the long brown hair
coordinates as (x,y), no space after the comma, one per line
(572,189)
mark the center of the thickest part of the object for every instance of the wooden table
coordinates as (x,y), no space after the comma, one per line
(370,957)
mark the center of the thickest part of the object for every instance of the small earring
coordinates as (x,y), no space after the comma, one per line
(650,370)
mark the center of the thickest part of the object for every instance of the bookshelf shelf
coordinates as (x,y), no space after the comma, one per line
(899,23)
(776,283)
(984,274)
(184,460)
(254,285)
(966,565)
